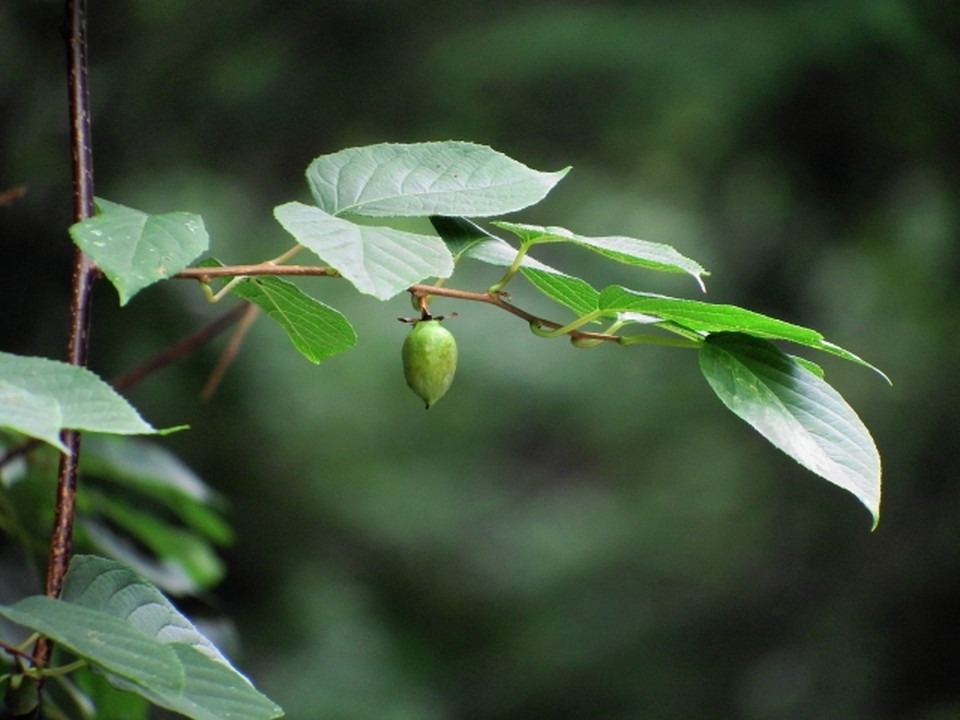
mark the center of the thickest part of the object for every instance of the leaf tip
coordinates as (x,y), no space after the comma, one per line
(171,430)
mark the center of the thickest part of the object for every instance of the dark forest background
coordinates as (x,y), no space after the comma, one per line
(568,535)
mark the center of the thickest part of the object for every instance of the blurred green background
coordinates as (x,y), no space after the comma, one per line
(569,534)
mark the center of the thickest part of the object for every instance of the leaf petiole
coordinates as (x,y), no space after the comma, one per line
(233,282)
(538,329)
(512,270)
(64,669)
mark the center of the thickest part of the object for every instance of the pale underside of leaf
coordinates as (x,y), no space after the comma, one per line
(627,250)
(421,179)
(379,261)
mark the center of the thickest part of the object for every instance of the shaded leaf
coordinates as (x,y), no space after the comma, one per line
(461,234)
(175,558)
(316,330)
(212,688)
(466,239)
(110,702)
(795,410)
(110,642)
(162,518)
(704,318)
(135,249)
(421,179)
(144,467)
(379,261)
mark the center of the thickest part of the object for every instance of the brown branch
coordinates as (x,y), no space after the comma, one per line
(84,275)
(496,299)
(17,652)
(418,291)
(267,268)
(581,338)
(249,314)
(180,349)
(14,193)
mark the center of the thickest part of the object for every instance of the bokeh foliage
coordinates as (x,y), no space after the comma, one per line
(570,534)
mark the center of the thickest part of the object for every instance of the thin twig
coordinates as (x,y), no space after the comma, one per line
(14,193)
(180,349)
(250,312)
(419,291)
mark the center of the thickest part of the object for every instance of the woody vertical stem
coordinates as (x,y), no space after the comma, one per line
(84,274)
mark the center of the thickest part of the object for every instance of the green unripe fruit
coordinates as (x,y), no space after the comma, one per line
(429,360)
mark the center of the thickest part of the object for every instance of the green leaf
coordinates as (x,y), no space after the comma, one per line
(703,318)
(316,330)
(45,396)
(135,249)
(433,178)
(795,410)
(212,692)
(379,261)
(113,643)
(461,234)
(163,519)
(160,477)
(627,250)
(574,293)
(467,239)
(111,704)
(37,416)
(211,689)
(174,558)
(111,587)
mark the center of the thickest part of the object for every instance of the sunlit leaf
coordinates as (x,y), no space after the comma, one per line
(421,179)
(379,261)
(135,249)
(574,293)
